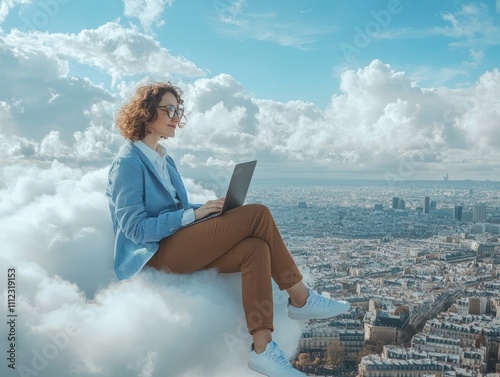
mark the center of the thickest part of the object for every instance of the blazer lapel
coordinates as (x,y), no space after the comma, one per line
(149,165)
(174,175)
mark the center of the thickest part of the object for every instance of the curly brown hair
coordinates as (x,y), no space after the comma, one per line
(133,117)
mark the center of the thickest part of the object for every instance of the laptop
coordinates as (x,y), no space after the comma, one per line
(236,192)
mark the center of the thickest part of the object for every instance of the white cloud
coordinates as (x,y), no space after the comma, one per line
(148,12)
(188,159)
(379,120)
(117,50)
(73,314)
(197,193)
(232,22)
(472,26)
(480,121)
(228,12)
(56,218)
(5,116)
(221,122)
(188,326)
(47,114)
(472,29)
(52,147)
(7,5)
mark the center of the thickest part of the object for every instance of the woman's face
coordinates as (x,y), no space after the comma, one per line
(163,125)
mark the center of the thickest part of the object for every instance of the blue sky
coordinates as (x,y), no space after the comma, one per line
(347,88)
(296,50)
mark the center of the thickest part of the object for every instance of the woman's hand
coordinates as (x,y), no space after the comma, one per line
(212,206)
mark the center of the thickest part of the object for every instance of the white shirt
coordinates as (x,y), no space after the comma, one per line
(159,160)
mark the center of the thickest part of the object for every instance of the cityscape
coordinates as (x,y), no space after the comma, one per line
(418,261)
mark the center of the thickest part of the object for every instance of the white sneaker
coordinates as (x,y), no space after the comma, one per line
(318,307)
(272,362)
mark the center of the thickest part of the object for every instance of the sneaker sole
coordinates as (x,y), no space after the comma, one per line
(265,373)
(256,370)
(268,375)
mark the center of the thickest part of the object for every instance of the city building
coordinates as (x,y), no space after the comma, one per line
(466,216)
(426,207)
(401,204)
(385,324)
(479,213)
(395,202)
(433,204)
(376,366)
(436,344)
(316,339)
(301,205)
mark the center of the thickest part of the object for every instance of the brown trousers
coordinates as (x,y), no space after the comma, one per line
(244,240)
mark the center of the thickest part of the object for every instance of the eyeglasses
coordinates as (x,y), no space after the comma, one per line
(171,110)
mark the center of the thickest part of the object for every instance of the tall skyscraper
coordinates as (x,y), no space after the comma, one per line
(395,202)
(401,204)
(457,214)
(426,204)
(466,216)
(433,204)
(479,213)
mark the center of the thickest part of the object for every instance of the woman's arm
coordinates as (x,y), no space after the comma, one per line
(127,182)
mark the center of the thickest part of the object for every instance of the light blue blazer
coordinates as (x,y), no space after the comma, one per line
(142,209)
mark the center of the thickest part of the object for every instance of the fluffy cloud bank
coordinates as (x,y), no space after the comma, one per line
(45,113)
(380,119)
(75,318)
(377,121)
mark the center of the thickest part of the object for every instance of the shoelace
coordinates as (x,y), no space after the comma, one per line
(277,355)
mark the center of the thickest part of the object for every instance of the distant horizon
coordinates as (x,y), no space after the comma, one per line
(376,179)
(381,182)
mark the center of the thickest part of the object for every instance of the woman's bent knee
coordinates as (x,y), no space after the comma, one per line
(256,245)
(255,248)
(256,209)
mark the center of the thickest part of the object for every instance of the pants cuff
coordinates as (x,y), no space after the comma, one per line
(263,325)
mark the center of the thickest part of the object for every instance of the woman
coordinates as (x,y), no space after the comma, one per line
(149,205)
